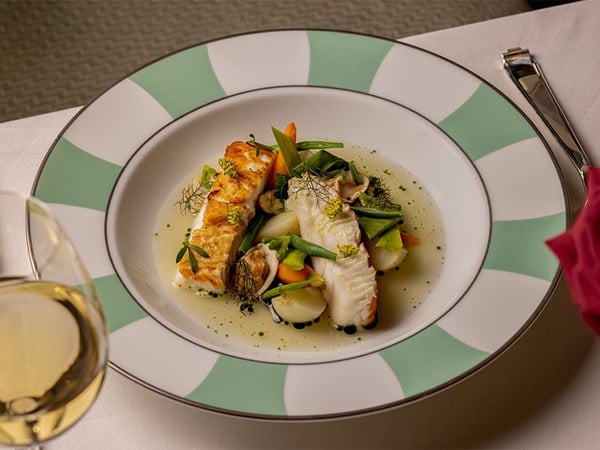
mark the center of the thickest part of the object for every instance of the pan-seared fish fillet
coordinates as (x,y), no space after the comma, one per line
(350,282)
(222,222)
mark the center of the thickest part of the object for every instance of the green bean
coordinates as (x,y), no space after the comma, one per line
(283,251)
(308,145)
(253,227)
(309,248)
(274,292)
(317,145)
(282,243)
(314,280)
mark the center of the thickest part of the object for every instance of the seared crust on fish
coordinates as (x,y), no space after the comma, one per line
(222,222)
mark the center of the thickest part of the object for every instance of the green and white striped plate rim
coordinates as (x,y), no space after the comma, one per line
(518,273)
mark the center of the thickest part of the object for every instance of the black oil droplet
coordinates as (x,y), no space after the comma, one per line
(350,329)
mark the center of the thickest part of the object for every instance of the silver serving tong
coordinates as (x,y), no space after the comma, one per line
(528,76)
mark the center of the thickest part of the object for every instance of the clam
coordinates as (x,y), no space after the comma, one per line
(347,189)
(269,203)
(254,273)
(256,270)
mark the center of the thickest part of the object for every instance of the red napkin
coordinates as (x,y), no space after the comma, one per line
(578,250)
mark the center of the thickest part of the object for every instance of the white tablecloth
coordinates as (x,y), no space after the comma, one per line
(544,392)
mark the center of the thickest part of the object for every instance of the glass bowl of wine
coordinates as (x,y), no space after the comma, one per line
(53,336)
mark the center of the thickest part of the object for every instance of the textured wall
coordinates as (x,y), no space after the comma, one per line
(57,54)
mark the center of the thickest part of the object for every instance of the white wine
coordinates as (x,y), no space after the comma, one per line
(53,349)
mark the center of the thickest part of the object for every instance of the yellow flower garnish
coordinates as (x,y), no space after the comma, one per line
(234,215)
(347,250)
(333,207)
(228,167)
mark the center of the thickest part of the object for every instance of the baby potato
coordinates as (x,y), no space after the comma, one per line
(384,259)
(300,306)
(278,225)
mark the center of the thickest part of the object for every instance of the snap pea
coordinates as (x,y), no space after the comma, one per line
(295,260)
(376,213)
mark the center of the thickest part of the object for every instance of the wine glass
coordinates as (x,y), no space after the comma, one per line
(53,337)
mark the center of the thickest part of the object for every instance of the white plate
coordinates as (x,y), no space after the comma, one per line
(112,168)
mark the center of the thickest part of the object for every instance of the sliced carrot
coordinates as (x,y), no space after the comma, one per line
(279,167)
(290,131)
(287,275)
(409,239)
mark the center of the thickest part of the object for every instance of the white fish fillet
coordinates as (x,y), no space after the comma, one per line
(351,285)
(211,229)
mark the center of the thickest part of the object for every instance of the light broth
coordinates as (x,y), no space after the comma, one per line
(401,291)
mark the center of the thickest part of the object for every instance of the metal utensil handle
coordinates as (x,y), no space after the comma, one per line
(528,76)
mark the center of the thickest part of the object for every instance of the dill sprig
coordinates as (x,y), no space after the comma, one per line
(243,286)
(378,196)
(194,194)
(192,199)
(310,182)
